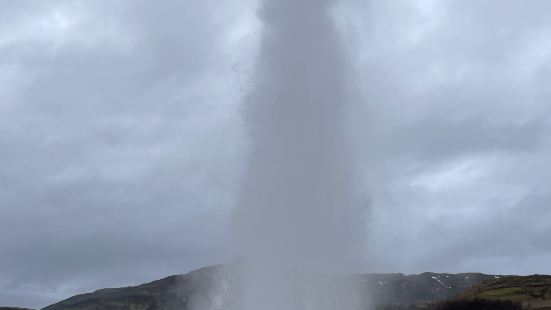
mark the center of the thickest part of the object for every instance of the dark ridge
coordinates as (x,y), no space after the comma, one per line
(384,292)
(178,292)
(476,303)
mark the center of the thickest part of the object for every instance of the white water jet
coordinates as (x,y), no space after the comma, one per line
(298,221)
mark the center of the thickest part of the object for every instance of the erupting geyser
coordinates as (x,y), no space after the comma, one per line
(298,221)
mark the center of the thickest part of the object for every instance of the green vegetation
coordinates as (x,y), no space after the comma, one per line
(533,292)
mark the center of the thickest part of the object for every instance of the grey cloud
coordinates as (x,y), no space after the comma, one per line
(121,151)
(109,142)
(458,134)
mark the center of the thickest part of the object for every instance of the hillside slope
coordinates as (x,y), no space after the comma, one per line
(174,292)
(421,289)
(532,291)
(208,286)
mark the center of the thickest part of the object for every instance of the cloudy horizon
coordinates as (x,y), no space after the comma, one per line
(121,144)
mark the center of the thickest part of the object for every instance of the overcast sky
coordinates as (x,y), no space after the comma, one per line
(121,144)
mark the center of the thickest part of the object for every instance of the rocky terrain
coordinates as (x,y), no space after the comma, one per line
(209,288)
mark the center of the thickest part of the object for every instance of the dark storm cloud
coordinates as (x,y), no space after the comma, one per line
(120,148)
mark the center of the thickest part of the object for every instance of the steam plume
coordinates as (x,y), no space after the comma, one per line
(297,221)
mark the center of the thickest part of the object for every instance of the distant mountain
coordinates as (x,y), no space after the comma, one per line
(209,288)
(174,292)
(400,290)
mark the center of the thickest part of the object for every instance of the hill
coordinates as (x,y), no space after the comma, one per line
(207,285)
(210,288)
(533,291)
(400,290)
